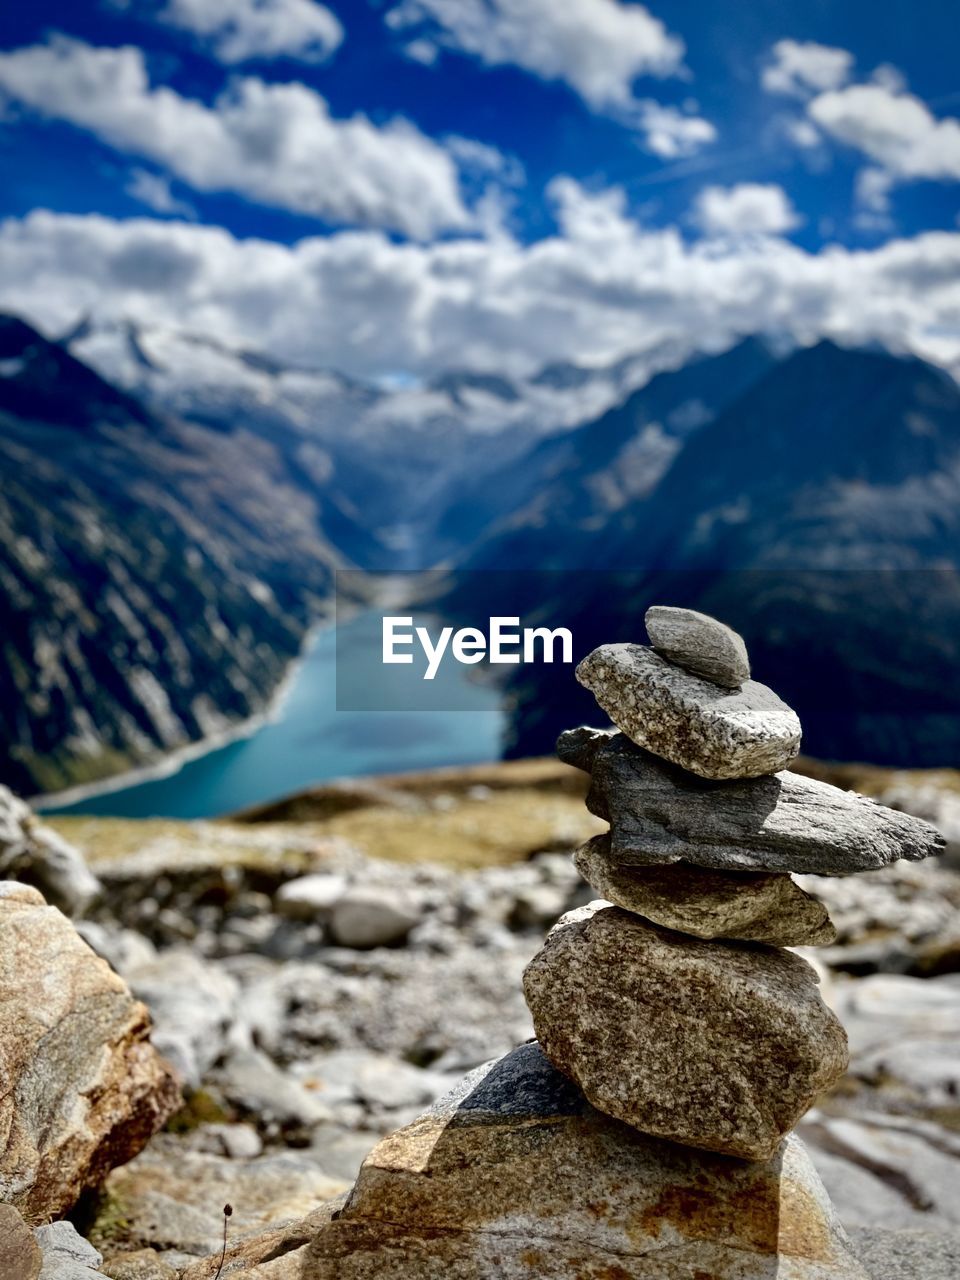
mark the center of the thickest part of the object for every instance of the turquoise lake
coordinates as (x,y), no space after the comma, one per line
(309,740)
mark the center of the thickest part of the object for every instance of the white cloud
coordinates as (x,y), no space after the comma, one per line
(153,190)
(895,130)
(873,188)
(275,144)
(802,68)
(603,288)
(240,30)
(671,134)
(749,208)
(424,51)
(890,77)
(802,133)
(597,47)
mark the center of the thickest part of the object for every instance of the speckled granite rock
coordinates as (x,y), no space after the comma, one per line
(66,1255)
(82,1087)
(750,907)
(716,1045)
(36,854)
(713,732)
(908,1255)
(699,643)
(514,1176)
(20,1255)
(659,813)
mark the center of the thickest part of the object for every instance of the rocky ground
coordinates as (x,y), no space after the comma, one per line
(319,971)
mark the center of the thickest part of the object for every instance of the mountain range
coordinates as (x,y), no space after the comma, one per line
(173,510)
(817,510)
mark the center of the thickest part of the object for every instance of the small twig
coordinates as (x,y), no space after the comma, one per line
(227,1213)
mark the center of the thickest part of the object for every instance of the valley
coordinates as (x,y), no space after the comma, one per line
(174,511)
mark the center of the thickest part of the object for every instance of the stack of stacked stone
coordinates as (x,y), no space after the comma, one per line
(672,1002)
(647,1135)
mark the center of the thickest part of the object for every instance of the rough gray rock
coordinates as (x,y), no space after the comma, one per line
(513,1176)
(713,732)
(237,1141)
(143,1264)
(716,1045)
(20,1255)
(373,917)
(699,643)
(35,853)
(902,917)
(310,897)
(173,1197)
(82,1087)
(908,1255)
(886,1170)
(66,1255)
(193,1006)
(786,823)
(253,1084)
(739,905)
(903,1037)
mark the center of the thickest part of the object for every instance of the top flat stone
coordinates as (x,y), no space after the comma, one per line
(699,643)
(692,722)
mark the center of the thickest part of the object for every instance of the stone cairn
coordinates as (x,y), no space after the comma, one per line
(647,1132)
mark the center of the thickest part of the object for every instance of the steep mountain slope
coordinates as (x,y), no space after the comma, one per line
(155,576)
(542,510)
(421,466)
(836,458)
(820,514)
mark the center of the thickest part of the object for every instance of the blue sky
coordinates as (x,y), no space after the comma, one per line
(487,182)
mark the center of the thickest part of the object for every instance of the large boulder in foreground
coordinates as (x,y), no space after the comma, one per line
(718,1045)
(739,905)
(514,1176)
(660,813)
(692,722)
(82,1087)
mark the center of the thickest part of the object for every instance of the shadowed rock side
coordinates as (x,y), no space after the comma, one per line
(712,731)
(515,1175)
(783,823)
(738,905)
(715,1045)
(82,1087)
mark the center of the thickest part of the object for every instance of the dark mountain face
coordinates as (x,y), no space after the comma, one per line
(39,379)
(544,509)
(818,512)
(155,576)
(842,459)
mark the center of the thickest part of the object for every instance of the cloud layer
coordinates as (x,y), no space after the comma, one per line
(240,30)
(598,48)
(802,68)
(894,129)
(276,144)
(359,302)
(749,208)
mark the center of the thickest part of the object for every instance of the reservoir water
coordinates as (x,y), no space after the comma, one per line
(309,740)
